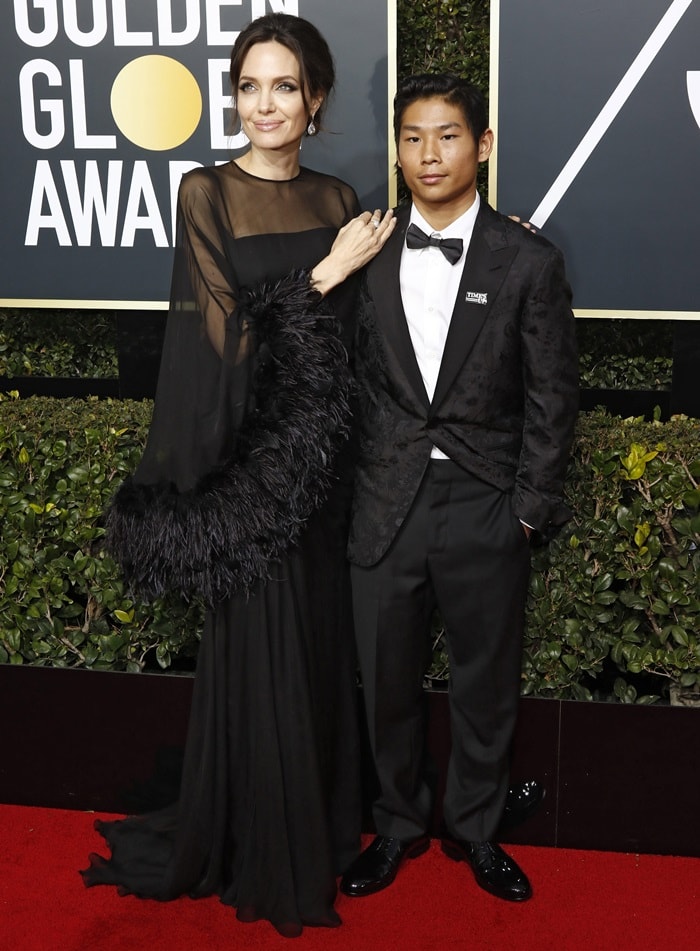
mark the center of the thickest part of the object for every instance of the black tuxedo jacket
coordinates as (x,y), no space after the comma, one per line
(506,398)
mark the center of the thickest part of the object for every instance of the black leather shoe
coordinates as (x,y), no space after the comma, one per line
(523,800)
(494,871)
(376,867)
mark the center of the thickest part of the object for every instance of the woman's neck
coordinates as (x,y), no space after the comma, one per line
(277,165)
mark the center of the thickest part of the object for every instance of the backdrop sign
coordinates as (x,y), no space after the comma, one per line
(597,115)
(107,102)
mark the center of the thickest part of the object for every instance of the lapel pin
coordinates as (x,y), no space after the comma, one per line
(476,297)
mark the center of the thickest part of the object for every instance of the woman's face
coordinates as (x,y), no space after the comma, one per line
(269,99)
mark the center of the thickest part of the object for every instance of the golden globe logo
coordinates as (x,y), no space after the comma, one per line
(156,102)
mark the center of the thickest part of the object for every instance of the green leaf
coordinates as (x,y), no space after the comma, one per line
(679,635)
(126,617)
(641,534)
(605,597)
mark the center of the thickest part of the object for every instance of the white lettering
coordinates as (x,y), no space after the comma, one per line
(97,200)
(167,36)
(142,188)
(99,22)
(52,107)
(86,22)
(45,188)
(216,35)
(50,28)
(104,207)
(81,138)
(122,35)
(177,170)
(220,107)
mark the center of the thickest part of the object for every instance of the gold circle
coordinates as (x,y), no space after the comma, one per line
(156,102)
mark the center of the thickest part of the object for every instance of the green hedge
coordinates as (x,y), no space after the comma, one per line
(444,36)
(62,602)
(68,343)
(615,354)
(617,590)
(625,354)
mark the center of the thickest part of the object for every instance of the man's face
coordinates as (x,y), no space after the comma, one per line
(439,157)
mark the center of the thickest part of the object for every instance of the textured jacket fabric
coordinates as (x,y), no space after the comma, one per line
(506,398)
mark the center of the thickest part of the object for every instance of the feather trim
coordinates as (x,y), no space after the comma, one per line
(223,535)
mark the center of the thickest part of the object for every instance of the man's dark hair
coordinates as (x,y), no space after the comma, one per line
(452,89)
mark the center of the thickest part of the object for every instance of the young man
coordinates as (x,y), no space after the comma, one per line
(467,368)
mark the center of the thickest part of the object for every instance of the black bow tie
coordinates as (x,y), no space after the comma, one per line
(450,247)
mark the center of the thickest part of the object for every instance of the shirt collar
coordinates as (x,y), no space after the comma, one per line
(461,227)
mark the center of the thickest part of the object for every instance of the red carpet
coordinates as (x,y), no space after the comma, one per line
(591,900)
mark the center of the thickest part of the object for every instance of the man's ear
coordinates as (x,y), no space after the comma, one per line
(485,145)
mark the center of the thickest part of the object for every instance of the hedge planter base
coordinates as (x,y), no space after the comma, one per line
(618,777)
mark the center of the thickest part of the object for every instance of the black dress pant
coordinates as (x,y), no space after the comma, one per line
(461,549)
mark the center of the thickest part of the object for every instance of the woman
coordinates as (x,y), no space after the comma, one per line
(241,495)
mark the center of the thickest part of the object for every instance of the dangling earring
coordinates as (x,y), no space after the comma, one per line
(311,128)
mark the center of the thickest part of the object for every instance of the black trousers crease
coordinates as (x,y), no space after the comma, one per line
(463,551)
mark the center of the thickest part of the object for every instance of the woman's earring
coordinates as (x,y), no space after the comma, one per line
(311,128)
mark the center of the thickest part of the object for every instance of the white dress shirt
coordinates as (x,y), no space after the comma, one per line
(429,285)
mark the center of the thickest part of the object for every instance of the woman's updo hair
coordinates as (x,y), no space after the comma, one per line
(316,68)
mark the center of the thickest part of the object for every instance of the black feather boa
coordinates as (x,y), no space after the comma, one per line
(223,536)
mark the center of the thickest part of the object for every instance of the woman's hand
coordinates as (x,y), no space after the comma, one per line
(525,224)
(355,245)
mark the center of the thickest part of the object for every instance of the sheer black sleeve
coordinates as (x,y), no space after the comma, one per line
(205,370)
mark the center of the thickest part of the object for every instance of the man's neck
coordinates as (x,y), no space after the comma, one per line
(441,214)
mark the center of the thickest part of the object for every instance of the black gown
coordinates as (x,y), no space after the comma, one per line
(245,453)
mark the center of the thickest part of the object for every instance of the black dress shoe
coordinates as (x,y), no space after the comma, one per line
(494,871)
(523,800)
(376,867)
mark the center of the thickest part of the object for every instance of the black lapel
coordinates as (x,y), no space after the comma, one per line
(488,260)
(383,282)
